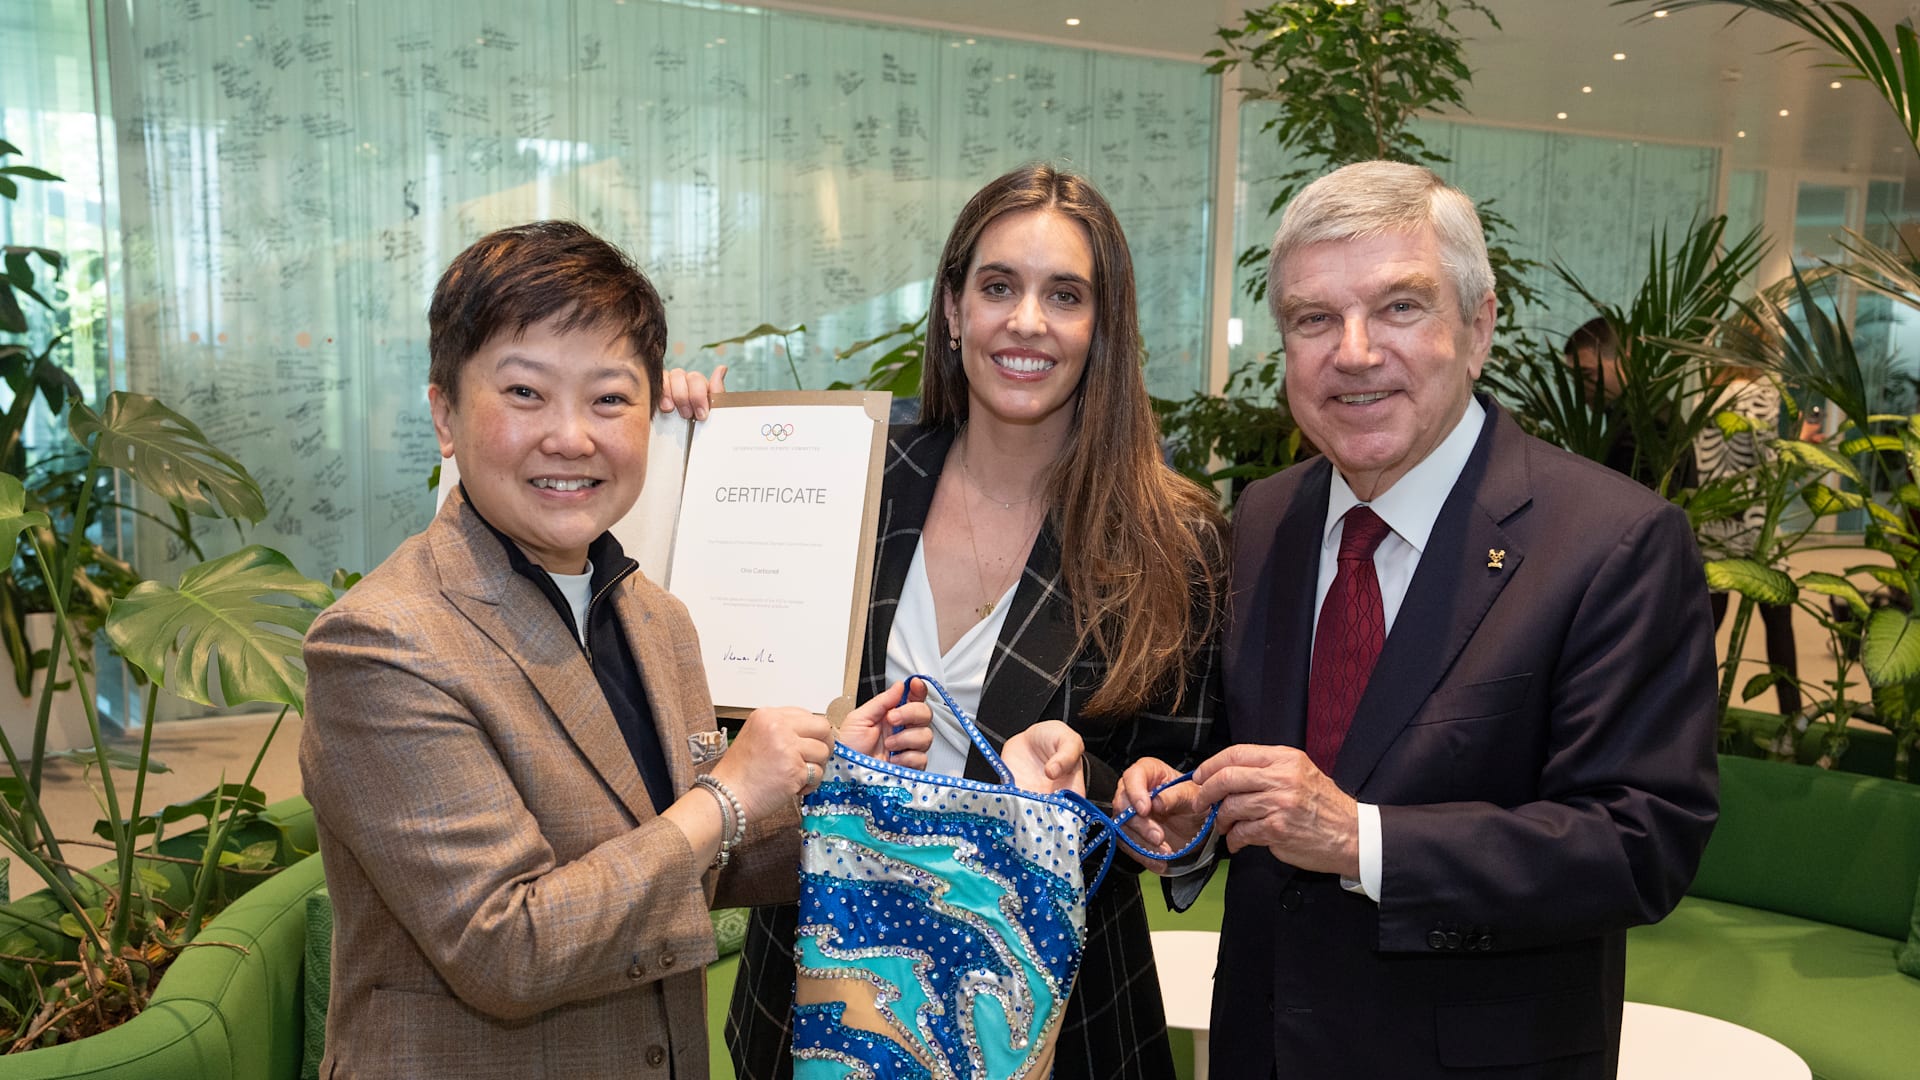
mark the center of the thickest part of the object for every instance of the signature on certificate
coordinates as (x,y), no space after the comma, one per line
(762,656)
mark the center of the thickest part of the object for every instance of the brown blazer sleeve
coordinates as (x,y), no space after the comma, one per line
(453,788)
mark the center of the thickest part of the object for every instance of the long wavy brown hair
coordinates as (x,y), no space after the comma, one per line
(1141,547)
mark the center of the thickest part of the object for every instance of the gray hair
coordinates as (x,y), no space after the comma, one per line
(1371,198)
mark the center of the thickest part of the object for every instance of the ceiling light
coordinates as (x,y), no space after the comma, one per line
(1783,112)
(1073,22)
(1560,116)
(1661,14)
(1740,134)
(1619,56)
(1834,85)
(1586,89)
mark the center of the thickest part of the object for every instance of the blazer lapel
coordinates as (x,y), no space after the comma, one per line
(1286,592)
(476,579)
(637,605)
(1451,593)
(914,458)
(1033,653)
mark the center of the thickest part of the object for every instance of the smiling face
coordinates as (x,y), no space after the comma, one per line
(1025,317)
(551,437)
(1380,362)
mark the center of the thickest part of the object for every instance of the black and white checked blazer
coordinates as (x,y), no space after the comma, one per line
(1115,1028)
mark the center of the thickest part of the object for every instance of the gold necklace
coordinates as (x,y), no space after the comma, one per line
(979,576)
(1005,504)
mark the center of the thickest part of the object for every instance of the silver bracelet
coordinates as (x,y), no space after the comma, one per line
(733,819)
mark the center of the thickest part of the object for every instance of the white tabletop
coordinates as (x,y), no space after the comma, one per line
(1185,961)
(1658,1043)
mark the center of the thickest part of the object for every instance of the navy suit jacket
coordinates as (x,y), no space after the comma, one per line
(1539,734)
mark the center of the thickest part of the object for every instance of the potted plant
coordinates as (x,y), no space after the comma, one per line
(1787,330)
(1660,404)
(228,633)
(1347,79)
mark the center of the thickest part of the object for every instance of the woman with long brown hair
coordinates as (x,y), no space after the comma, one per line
(1039,559)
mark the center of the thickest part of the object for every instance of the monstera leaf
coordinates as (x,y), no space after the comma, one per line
(232,614)
(15,518)
(168,455)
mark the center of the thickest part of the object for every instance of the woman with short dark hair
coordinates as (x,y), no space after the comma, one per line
(509,746)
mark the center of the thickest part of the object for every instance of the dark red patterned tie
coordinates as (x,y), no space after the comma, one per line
(1347,641)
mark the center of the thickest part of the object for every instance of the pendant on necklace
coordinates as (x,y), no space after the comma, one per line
(985,609)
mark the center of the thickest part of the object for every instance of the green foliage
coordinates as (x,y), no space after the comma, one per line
(1751,578)
(1348,77)
(896,370)
(766,330)
(237,620)
(168,455)
(221,621)
(1662,404)
(1346,80)
(210,806)
(1891,67)
(1247,426)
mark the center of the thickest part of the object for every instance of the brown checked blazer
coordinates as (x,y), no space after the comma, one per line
(1115,1026)
(506,901)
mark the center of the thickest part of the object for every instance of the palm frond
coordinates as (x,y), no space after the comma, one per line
(1893,68)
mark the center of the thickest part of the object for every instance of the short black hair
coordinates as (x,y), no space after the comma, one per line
(1596,334)
(515,277)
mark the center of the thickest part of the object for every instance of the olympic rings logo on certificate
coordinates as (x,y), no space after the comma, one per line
(776,432)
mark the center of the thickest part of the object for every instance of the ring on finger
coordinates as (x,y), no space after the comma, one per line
(813,774)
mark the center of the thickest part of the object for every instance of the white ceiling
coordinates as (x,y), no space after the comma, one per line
(1688,77)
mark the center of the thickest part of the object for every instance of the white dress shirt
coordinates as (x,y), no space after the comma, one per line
(913,648)
(1409,507)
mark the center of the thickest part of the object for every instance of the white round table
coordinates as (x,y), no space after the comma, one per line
(1658,1043)
(1185,959)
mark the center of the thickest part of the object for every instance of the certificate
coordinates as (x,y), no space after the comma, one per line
(773,549)
(761,519)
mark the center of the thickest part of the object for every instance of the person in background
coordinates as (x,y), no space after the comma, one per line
(509,745)
(1593,350)
(1470,687)
(1040,560)
(1755,398)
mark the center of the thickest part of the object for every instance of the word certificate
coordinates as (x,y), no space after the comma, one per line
(773,549)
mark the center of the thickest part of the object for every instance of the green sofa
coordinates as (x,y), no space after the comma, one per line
(1806,891)
(219,1014)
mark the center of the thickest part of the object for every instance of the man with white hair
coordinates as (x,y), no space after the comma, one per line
(1470,680)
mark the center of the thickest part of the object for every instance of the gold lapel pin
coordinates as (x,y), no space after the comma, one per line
(1496,558)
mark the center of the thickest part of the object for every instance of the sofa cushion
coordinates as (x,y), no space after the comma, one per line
(1829,993)
(317,981)
(1909,955)
(1833,847)
(730,929)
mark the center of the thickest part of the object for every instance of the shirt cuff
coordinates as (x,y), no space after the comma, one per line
(1185,879)
(1369,883)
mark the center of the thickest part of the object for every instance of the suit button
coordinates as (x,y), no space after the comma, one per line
(666,961)
(1290,899)
(1436,940)
(656,1055)
(1453,939)
(1486,941)
(637,971)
